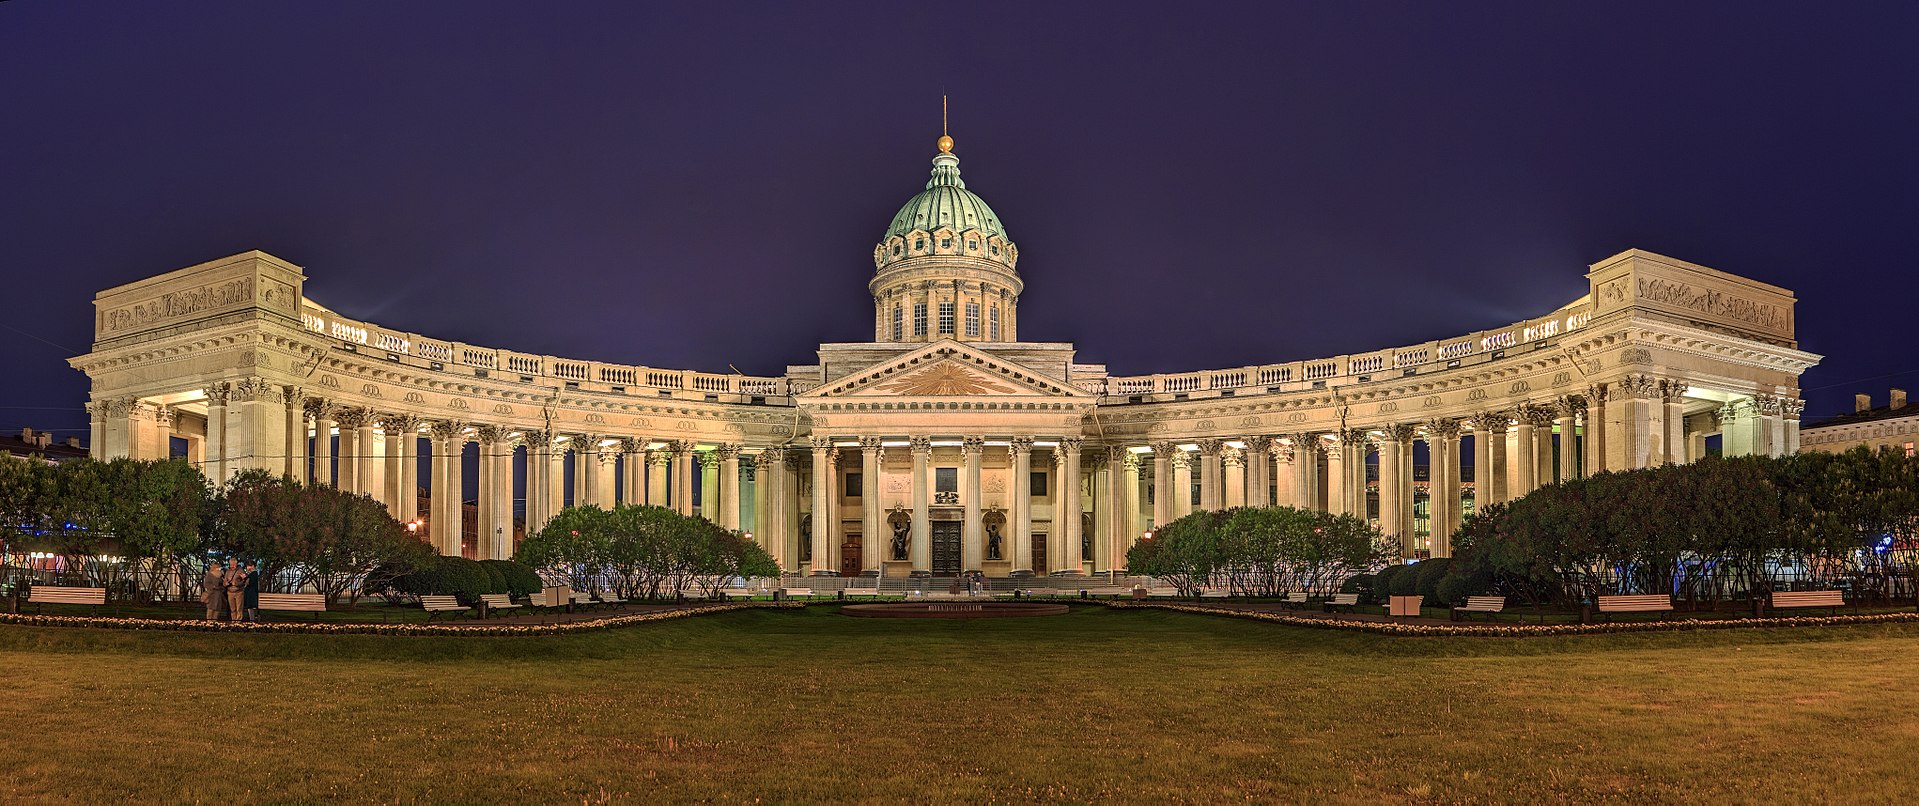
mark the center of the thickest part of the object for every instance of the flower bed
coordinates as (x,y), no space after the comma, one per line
(1528,630)
(310,628)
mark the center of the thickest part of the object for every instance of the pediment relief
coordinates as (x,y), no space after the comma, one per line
(945,369)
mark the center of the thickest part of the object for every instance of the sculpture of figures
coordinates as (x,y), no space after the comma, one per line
(901,528)
(806,538)
(992,541)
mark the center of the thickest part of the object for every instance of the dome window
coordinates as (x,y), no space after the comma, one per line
(946,243)
(919,244)
(972,245)
(995,250)
(896,250)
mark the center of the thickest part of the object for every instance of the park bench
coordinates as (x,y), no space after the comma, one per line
(1480,604)
(1345,600)
(435,605)
(1295,599)
(1105,592)
(584,600)
(1647,603)
(612,601)
(1215,594)
(314,603)
(794,593)
(43,595)
(497,601)
(866,592)
(1833,600)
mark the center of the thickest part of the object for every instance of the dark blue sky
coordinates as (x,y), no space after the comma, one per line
(1192,186)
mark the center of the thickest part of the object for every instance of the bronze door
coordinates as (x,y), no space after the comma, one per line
(1039,555)
(946,548)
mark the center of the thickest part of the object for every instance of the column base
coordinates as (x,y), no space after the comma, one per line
(870,573)
(921,574)
(1069,573)
(1022,573)
(823,573)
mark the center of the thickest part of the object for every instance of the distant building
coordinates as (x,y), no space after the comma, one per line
(1894,425)
(31,443)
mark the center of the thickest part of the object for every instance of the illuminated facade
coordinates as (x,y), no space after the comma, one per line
(946,443)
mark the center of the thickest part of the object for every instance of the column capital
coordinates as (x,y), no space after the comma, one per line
(1401,433)
(1129,460)
(351,418)
(1021,445)
(819,443)
(832,458)
(683,447)
(1070,444)
(1595,393)
(1671,391)
(1569,405)
(255,390)
(632,445)
(972,446)
(1537,416)
(400,423)
(869,444)
(217,393)
(1443,428)
(586,443)
(293,395)
(1769,405)
(1230,456)
(709,460)
(1288,452)
(489,434)
(1487,423)
(1177,458)
(1210,447)
(727,450)
(1258,444)
(921,446)
(319,408)
(1642,387)
(447,430)
(1352,436)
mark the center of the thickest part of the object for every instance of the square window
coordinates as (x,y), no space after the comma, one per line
(1036,486)
(853,484)
(946,480)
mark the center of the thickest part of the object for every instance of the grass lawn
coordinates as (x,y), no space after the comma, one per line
(1098,704)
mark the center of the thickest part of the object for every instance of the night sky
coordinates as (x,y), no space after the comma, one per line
(1192,186)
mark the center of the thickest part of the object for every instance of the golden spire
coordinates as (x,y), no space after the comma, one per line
(946,141)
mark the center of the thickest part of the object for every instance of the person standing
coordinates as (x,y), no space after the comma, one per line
(213,591)
(253,591)
(236,591)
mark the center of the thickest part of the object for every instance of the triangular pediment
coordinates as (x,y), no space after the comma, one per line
(946,369)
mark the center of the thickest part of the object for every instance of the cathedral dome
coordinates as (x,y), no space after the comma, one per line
(946,203)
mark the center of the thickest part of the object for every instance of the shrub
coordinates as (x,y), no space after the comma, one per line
(1361,584)
(1383,581)
(495,578)
(1405,580)
(1455,587)
(447,576)
(1426,577)
(520,580)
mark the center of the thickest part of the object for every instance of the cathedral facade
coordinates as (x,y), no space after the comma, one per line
(946,443)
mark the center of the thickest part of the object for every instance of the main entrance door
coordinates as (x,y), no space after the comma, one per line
(1039,556)
(850,557)
(946,548)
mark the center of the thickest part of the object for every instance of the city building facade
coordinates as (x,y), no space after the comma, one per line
(947,443)
(1894,426)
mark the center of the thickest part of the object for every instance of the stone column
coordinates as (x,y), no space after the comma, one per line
(156,425)
(708,465)
(555,477)
(456,494)
(656,462)
(1163,483)
(1182,483)
(1336,476)
(1296,468)
(403,466)
(1072,485)
(1280,457)
(1595,441)
(1112,536)
(97,433)
(608,458)
(973,534)
(1524,466)
(872,543)
(321,410)
(835,512)
(1790,409)
(349,421)
(1209,474)
(257,436)
(1021,492)
(437,490)
(586,470)
(1257,457)
(1629,437)
(822,483)
(632,471)
(1544,470)
(1672,395)
(729,487)
(921,550)
(1489,459)
(294,448)
(484,518)
(683,477)
(1232,477)
(766,473)
(1130,526)
(366,457)
(1392,498)
(537,443)
(215,465)
(796,468)
(1443,504)
(1565,417)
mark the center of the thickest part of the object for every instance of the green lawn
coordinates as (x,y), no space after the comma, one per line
(1099,704)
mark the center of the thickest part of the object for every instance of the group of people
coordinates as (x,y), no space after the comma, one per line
(232,593)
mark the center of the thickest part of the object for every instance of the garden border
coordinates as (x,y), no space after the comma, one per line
(1404,630)
(337,628)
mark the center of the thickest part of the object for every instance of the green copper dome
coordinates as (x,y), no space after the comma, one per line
(946,203)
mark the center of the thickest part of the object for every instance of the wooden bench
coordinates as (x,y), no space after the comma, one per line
(435,605)
(1295,599)
(793,593)
(1048,592)
(314,603)
(1827,599)
(43,595)
(1215,594)
(497,601)
(1648,603)
(866,592)
(1480,604)
(1345,600)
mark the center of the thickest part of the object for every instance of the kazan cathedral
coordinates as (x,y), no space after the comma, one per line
(946,444)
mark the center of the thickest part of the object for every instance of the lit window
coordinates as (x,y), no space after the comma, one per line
(899,323)
(992,322)
(972,320)
(946,317)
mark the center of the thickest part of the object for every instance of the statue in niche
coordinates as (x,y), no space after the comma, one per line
(806,538)
(901,528)
(992,541)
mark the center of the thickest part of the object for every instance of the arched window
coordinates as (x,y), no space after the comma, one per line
(899,322)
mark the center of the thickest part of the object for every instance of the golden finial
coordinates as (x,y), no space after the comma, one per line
(946,141)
